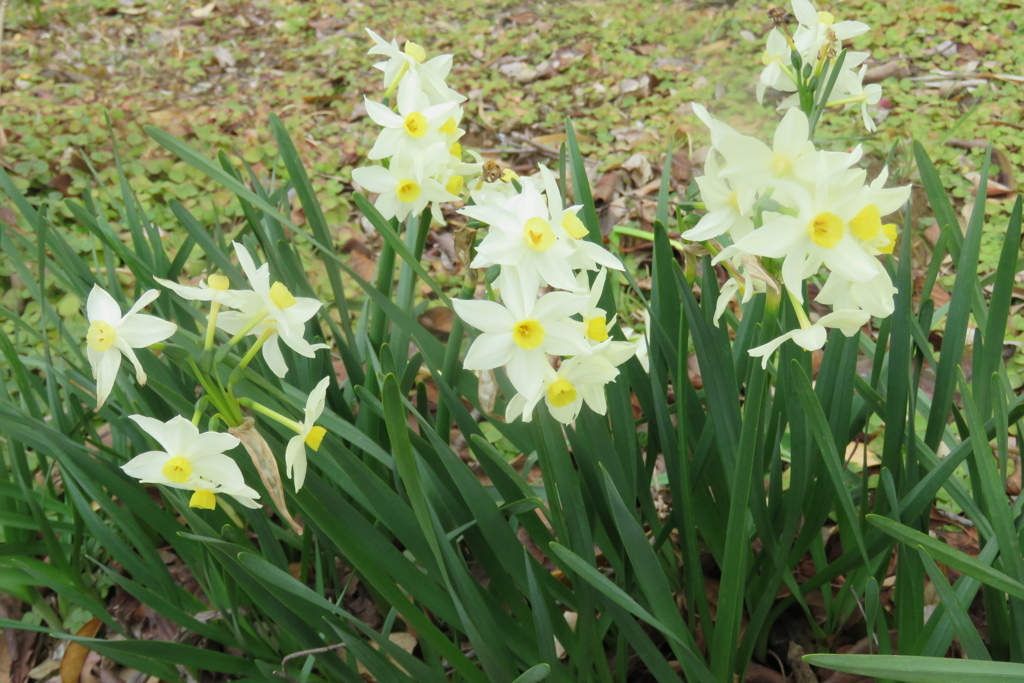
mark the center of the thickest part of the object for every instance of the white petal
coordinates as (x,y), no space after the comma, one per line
(209,444)
(104,371)
(175,435)
(849,261)
(315,401)
(295,460)
(147,467)
(490,351)
(122,345)
(187,292)
(139,331)
(245,260)
(526,371)
(812,338)
(765,351)
(146,299)
(272,354)
(381,115)
(374,179)
(101,306)
(488,316)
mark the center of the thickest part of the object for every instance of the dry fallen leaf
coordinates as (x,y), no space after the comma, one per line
(75,654)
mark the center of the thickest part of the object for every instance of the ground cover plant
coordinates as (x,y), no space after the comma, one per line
(696,448)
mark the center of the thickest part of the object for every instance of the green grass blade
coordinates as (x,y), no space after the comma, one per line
(999,311)
(830,456)
(955,611)
(958,560)
(921,669)
(954,337)
(534,674)
(621,598)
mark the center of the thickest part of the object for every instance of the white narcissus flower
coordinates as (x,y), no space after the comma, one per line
(821,29)
(415,128)
(755,281)
(310,435)
(586,255)
(521,236)
(578,380)
(813,336)
(751,163)
(432,74)
(407,186)
(191,461)
(521,333)
(777,61)
(112,335)
(595,324)
(818,234)
(853,92)
(281,316)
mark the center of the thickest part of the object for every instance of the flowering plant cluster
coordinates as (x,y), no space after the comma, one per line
(537,243)
(799,62)
(804,208)
(418,143)
(192,460)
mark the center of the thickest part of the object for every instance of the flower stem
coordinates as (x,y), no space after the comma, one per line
(216,396)
(236,374)
(398,78)
(211,325)
(257,319)
(272,414)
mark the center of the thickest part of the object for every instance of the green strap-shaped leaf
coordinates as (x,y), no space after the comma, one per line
(960,561)
(921,669)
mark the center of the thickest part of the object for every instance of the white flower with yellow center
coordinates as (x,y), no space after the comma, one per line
(112,335)
(820,31)
(752,164)
(413,57)
(818,233)
(190,461)
(521,333)
(578,380)
(586,255)
(595,323)
(271,313)
(414,128)
(813,336)
(406,187)
(521,235)
(309,434)
(851,92)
